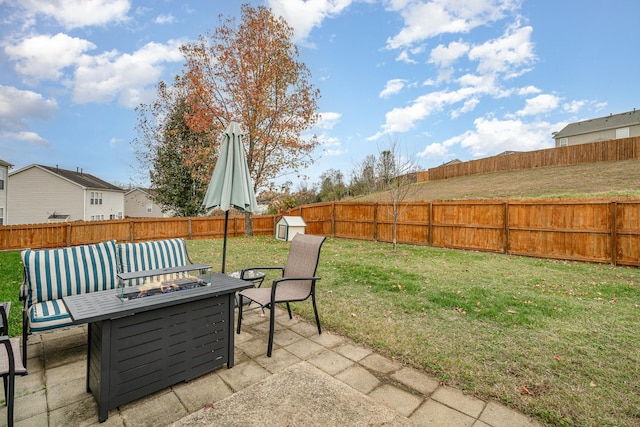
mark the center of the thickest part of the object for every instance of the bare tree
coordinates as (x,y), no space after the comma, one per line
(396,175)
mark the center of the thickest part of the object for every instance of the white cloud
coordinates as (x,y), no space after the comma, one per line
(79,13)
(426,19)
(44,57)
(17,104)
(328,120)
(493,136)
(444,56)
(112,75)
(574,106)
(305,15)
(165,19)
(393,87)
(29,137)
(17,108)
(539,104)
(434,151)
(506,54)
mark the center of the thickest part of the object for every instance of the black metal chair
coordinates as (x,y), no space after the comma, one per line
(10,362)
(298,281)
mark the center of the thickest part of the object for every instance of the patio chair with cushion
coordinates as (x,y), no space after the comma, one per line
(298,281)
(10,362)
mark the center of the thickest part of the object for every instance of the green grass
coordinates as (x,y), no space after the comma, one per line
(556,340)
(10,280)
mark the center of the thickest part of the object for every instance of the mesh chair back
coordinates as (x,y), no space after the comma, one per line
(304,255)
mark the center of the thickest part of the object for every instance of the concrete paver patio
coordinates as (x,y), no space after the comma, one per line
(310,380)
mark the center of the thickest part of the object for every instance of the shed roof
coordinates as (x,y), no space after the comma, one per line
(293,221)
(612,121)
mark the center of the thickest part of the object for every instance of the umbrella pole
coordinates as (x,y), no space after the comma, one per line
(224,242)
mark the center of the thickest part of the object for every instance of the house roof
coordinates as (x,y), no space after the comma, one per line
(3,163)
(78,177)
(147,191)
(612,121)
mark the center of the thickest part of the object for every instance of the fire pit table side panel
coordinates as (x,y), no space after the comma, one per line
(138,347)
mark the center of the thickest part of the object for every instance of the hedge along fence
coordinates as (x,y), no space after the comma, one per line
(581,230)
(601,151)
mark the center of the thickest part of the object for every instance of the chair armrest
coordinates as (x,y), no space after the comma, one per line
(260,268)
(284,279)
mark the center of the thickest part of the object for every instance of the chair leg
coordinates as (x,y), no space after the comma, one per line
(289,310)
(272,321)
(9,399)
(315,310)
(239,316)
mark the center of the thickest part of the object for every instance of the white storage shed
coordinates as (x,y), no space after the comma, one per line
(289,226)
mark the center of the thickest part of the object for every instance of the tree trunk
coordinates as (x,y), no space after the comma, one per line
(248,224)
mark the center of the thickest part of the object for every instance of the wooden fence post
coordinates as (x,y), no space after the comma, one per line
(505,215)
(189,230)
(613,217)
(131,234)
(430,237)
(333,219)
(68,236)
(375,221)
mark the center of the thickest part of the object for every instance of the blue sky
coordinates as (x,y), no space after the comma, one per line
(444,79)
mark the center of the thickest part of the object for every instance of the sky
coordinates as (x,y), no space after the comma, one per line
(440,79)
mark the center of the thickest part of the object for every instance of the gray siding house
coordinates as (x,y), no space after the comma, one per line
(613,126)
(138,203)
(41,194)
(4,190)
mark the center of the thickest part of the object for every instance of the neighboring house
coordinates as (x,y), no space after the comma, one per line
(41,194)
(4,190)
(138,203)
(613,126)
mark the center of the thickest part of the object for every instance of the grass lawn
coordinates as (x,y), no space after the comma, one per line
(556,340)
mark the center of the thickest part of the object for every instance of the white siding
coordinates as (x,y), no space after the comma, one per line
(36,193)
(4,173)
(603,135)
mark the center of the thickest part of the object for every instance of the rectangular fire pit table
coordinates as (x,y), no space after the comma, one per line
(139,346)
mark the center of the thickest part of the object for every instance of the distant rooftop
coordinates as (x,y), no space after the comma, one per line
(612,121)
(78,177)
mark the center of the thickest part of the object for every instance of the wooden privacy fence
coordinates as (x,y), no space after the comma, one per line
(581,230)
(584,230)
(601,151)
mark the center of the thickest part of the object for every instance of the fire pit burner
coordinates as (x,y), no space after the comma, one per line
(165,287)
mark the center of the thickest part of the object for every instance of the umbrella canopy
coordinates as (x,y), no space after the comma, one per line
(230,184)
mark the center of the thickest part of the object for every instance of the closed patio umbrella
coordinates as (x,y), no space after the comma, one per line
(230,184)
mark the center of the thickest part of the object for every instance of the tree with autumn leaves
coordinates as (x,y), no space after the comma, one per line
(248,72)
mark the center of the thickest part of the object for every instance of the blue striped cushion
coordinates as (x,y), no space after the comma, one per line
(55,273)
(48,315)
(151,256)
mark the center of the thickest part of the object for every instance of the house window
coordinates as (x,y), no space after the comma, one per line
(119,215)
(96,198)
(1,216)
(1,179)
(149,207)
(563,142)
(622,133)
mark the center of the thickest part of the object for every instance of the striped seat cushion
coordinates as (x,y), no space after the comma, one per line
(48,315)
(152,256)
(55,273)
